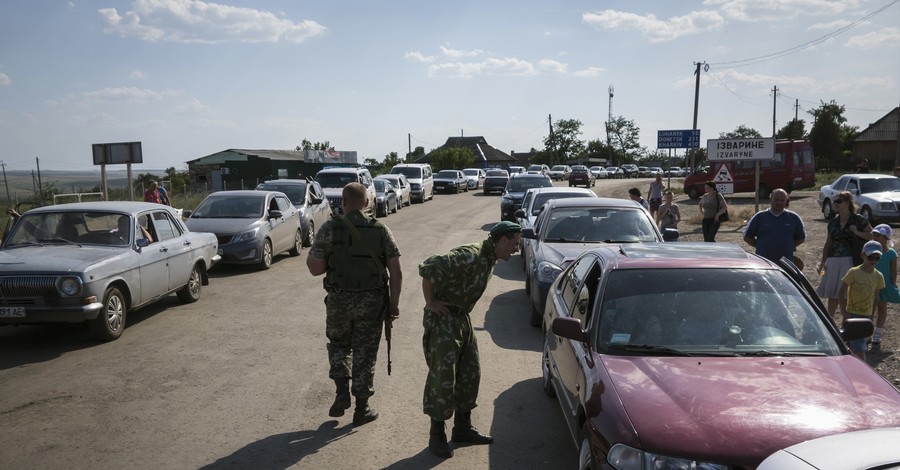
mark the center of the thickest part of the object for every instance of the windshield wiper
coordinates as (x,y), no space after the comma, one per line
(25,243)
(767,353)
(58,239)
(651,348)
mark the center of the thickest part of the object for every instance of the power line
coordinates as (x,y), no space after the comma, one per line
(795,49)
(746,99)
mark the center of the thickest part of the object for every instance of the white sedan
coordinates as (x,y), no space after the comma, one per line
(475,176)
(599,172)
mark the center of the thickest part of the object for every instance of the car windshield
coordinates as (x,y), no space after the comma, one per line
(66,228)
(558,168)
(471,172)
(230,207)
(878,185)
(535,168)
(336,180)
(295,192)
(609,225)
(380,185)
(542,198)
(446,174)
(502,173)
(520,185)
(408,171)
(713,311)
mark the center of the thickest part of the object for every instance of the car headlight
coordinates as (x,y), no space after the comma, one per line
(547,272)
(624,457)
(886,206)
(69,286)
(248,235)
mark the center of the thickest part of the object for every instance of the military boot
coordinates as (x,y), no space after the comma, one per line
(341,399)
(437,441)
(463,431)
(363,414)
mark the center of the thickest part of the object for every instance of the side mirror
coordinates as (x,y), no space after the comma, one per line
(570,328)
(142,242)
(520,214)
(857,328)
(275,214)
(186,213)
(529,233)
(315,199)
(670,234)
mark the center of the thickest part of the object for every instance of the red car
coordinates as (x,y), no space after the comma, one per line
(693,355)
(581,175)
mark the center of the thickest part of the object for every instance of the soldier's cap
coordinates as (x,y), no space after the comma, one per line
(505,227)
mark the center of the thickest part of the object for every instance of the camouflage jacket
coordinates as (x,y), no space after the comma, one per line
(461,276)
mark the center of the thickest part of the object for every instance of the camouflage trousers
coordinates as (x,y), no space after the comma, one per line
(353,325)
(454,372)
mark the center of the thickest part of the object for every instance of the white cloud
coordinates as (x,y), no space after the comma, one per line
(884,37)
(125,94)
(741,82)
(456,53)
(416,56)
(193,106)
(774,10)
(652,28)
(830,26)
(590,72)
(137,75)
(195,21)
(553,66)
(5,80)
(492,66)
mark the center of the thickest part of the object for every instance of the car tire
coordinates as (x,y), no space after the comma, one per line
(310,234)
(694,193)
(466,188)
(585,456)
(267,255)
(536,317)
(546,377)
(190,293)
(110,322)
(298,244)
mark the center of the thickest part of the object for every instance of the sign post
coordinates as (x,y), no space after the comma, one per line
(725,150)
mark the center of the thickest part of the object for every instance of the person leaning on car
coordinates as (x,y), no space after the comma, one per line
(452,283)
(355,303)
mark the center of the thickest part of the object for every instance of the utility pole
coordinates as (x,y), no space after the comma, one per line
(41,185)
(608,122)
(697,95)
(409,144)
(6,183)
(552,142)
(774,103)
(796,107)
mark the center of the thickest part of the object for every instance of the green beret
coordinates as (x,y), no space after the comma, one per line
(505,227)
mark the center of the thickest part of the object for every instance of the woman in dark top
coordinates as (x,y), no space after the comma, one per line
(847,231)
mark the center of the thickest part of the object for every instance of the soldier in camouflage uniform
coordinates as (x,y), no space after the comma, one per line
(452,283)
(357,294)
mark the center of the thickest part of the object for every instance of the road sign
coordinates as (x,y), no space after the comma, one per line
(720,150)
(725,188)
(678,139)
(723,175)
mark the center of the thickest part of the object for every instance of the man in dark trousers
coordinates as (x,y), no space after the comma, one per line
(355,252)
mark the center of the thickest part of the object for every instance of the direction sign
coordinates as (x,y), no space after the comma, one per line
(720,150)
(678,139)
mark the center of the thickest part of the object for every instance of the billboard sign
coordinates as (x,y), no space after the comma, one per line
(117,153)
(722,150)
(678,139)
(332,157)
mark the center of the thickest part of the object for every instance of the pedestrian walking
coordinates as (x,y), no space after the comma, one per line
(712,207)
(859,288)
(356,253)
(655,194)
(846,231)
(887,266)
(452,283)
(775,232)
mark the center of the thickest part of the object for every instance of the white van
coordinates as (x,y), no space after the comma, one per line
(421,180)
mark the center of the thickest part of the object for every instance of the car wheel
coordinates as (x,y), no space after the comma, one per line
(764,192)
(866,212)
(527,280)
(310,234)
(546,378)
(298,244)
(466,187)
(585,456)
(191,291)
(266,261)
(827,210)
(694,192)
(110,322)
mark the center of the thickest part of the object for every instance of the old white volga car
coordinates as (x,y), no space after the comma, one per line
(95,261)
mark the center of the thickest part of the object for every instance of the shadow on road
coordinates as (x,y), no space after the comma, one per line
(282,450)
(507,321)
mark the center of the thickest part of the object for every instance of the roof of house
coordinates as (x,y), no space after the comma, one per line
(884,129)
(243,154)
(483,151)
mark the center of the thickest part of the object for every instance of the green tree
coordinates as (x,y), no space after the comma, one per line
(372,163)
(625,136)
(827,135)
(307,145)
(563,142)
(416,154)
(794,130)
(451,158)
(741,132)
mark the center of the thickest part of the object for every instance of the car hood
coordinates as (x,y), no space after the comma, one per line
(222,226)
(448,180)
(333,192)
(561,254)
(53,258)
(886,196)
(515,195)
(708,407)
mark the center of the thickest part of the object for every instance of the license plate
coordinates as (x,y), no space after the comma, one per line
(12,312)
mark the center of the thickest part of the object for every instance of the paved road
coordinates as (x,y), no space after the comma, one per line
(239,379)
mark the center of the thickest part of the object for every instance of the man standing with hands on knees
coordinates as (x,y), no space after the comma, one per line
(452,283)
(352,251)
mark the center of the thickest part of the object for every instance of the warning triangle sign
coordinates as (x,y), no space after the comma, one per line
(723,175)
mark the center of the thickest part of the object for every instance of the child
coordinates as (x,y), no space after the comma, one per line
(887,266)
(859,292)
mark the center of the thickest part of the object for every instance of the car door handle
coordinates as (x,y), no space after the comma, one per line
(186,243)
(163,249)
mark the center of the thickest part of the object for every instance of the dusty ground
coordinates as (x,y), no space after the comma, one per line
(883,359)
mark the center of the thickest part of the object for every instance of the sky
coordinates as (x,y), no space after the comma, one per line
(190,78)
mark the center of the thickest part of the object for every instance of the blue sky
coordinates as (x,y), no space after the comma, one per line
(190,78)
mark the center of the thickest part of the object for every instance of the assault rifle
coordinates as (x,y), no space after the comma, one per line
(388,324)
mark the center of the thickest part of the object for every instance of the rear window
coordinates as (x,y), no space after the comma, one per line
(409,171)
(518,185)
